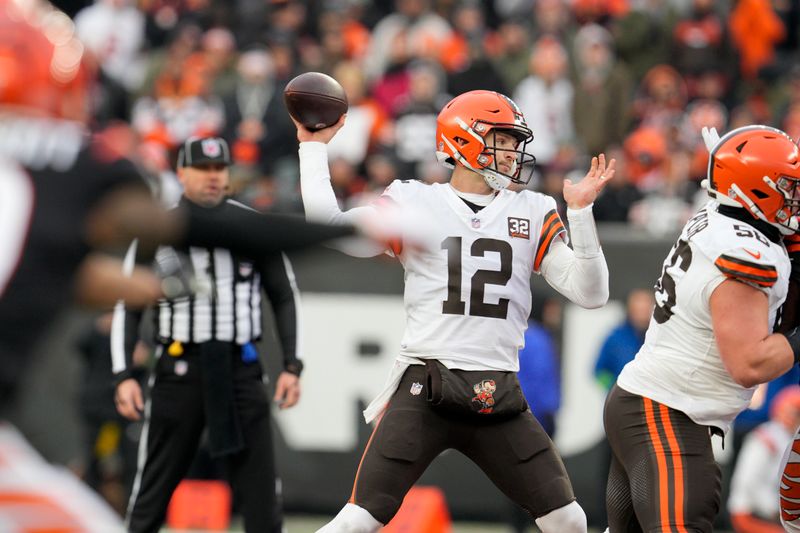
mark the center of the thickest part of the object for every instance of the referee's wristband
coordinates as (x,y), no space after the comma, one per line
(294,367)
(119,377)
(794,342)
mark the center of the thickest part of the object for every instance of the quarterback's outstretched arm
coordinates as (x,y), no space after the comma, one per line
(580,274)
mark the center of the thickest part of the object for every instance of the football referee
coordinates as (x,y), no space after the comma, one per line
(208,373)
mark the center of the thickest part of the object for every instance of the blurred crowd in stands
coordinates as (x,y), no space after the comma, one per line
(633,78)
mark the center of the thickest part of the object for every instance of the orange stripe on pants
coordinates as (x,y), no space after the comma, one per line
(661,460)
(677,464)
(358,471)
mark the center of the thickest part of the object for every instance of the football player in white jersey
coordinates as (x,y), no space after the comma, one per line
(471,248)
(710,341)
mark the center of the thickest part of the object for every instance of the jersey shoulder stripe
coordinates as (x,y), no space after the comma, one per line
(551,228)
(747,271)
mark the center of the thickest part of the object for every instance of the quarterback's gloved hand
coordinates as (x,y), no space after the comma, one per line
(177,275)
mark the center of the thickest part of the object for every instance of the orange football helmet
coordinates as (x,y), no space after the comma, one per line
(758,168)
(42,63)
(465,134)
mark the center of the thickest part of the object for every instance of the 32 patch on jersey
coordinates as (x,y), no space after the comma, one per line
(519,227)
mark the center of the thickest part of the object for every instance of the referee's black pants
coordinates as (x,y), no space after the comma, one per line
(174,421)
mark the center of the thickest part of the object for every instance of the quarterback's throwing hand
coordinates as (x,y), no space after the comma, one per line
(323,136)
(583,193)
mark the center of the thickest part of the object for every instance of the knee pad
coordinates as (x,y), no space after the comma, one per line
(352,519)
(567,519)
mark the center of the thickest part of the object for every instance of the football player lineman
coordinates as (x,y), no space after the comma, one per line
(471,247)
(710,341)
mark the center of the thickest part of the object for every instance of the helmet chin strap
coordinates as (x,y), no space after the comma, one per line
(493,179)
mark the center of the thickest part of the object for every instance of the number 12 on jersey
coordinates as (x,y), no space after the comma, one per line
(453,305)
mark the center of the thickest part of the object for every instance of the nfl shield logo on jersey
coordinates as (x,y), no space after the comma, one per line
(476,223)
(416,388)
(210,147)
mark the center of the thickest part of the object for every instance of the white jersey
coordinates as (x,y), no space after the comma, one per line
(467,301)
(679,364)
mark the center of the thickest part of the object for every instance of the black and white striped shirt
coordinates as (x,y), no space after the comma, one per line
(227,309)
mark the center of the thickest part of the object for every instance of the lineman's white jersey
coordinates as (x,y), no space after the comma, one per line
(467,300)
(679,364)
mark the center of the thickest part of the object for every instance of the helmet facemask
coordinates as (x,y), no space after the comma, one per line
(787,216)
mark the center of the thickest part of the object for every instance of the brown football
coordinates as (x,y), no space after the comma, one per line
(315,100)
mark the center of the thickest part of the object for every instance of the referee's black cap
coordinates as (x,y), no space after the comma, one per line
(204,150)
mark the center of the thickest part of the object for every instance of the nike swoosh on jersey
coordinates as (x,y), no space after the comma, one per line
(756,255)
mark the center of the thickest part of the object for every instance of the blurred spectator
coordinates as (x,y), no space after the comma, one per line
(345,180)
(789,107)
(755,31)
(602,91)
(615,203)
(391,88)
(514,9)
(642,35)
(113,30)
(180,103)
(256,120)
(218,48)
(553,18)
(183,40)
(624,341)
(345,18)
(412,27)
(754,493)
(415,126)
(700,113)
(469,31)
(381,171)
(700,47)
(165,16)
(513,56)
(646,153)
(666,207)
(661,99)
(539,363)
(476,72)
(367,126)
(283,49)
(545,98)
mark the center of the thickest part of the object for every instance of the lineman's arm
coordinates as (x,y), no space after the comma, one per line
(100,282)
(748,349)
